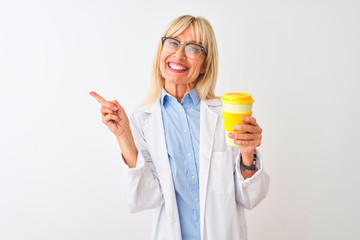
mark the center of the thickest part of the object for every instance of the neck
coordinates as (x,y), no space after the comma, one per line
(178,91)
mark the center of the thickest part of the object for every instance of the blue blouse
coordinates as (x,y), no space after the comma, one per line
(182,133)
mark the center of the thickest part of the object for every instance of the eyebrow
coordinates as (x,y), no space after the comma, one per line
(188,42)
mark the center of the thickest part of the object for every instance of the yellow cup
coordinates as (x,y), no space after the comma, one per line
(235,106)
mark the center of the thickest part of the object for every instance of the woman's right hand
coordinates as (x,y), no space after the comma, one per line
(115,118)
(113,115)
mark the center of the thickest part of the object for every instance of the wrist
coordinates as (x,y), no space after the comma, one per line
(247,157)
(128,149)
(250,164)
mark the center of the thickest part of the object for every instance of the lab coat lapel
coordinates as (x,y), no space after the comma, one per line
(155,137)
(208,121)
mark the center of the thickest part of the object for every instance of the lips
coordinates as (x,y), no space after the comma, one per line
(177,67)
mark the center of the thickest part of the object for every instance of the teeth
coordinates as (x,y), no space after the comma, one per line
(176,67)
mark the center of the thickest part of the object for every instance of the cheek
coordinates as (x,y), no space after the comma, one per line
(163,57)
(162,64)
(199,68)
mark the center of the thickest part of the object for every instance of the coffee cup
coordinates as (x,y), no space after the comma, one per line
(235,106)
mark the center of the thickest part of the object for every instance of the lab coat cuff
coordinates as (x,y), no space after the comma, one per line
(133,172)
(259,167)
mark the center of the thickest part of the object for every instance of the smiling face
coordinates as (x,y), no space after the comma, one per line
(176,68)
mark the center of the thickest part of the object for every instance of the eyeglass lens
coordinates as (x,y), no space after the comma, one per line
(192,51)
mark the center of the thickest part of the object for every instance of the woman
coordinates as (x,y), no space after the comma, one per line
(174,155)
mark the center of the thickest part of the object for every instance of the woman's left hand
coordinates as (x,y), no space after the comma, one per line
(250,139)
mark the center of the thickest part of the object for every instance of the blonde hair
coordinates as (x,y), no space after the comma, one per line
(205,83)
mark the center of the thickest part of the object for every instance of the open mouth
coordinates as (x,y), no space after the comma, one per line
(177,67)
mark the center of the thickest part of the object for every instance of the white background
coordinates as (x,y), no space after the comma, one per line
(59,165)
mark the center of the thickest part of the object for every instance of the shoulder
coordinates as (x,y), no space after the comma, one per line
(214,104)
(142,113)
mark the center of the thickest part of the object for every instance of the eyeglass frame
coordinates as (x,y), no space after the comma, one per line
(163,39)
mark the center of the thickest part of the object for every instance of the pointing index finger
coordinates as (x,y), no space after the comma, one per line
(98,98)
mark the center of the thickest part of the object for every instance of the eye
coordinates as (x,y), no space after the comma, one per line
(193,48)
(171,43)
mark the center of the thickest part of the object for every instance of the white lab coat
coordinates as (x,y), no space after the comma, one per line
(223,191)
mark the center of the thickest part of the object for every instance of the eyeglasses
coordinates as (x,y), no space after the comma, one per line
(192,50)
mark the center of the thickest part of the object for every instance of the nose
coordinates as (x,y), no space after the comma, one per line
(180,52)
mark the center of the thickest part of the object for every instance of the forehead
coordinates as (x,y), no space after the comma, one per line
(186,33)
(187,36)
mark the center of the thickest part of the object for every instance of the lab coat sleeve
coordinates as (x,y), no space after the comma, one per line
(140,185)
(249,192)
